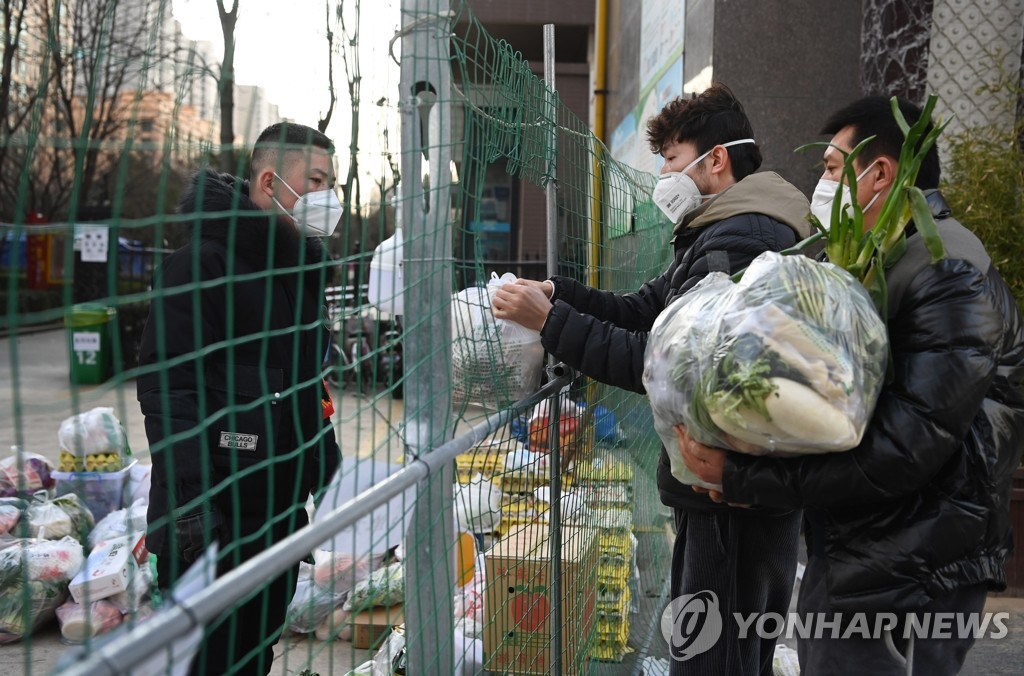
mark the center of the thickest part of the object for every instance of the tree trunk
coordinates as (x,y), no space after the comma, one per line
(228,19)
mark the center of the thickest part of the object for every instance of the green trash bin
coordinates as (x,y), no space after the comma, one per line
(90,332)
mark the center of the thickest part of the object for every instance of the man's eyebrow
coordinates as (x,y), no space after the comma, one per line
(320,172)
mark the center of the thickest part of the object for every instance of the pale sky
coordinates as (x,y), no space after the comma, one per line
(281,46)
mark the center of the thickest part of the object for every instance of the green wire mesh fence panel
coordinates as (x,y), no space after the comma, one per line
(263,349)
(615,553)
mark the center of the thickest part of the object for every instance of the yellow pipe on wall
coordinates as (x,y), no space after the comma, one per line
(600,91)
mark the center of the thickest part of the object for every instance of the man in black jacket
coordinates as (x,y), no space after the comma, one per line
(236,412)
(724,215)
(915,519)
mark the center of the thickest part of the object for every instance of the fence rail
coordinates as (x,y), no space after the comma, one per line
(132,648)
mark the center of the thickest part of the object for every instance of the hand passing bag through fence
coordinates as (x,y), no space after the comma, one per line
(789,360)
(494,361)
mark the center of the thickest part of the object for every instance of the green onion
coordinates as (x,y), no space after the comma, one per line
(867,255)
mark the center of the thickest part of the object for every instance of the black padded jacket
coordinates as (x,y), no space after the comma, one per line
(604,334)
(921,506)
(236,331)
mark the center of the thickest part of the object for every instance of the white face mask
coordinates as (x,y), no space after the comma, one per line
(825,194)
(676,194)
(316,213)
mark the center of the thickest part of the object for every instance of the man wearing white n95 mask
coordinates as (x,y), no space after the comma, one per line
(722,216)
(236,412)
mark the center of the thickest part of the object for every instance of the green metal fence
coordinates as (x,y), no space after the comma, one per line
(533,541)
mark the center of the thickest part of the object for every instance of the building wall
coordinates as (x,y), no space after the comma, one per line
(791,68)
(521,25)
(534,12)
(573,85)
(253,113)
(789,62)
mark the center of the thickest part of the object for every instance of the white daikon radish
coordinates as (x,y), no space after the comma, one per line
(801,413)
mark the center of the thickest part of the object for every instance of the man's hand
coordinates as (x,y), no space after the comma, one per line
(706,462)
(525,302)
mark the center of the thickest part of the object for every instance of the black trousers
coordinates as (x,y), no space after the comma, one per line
(749,562)
(241,640)
(858,654)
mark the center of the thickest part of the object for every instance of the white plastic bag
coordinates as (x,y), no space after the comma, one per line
(789,360)
(340,572)
(95,431)
(384,587)
(477,505)
(34,574)
(494,361)
(79,623)
(311,603)
(390,659)
(374,533)
(119,523)
(139,479)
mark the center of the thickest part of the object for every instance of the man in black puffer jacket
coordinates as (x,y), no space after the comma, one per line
(725,216)
(915,519)
(236,411)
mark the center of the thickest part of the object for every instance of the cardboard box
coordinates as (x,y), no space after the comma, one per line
(518,601)
(371,627)
(106,572)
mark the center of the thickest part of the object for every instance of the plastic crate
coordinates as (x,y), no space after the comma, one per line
(102,492)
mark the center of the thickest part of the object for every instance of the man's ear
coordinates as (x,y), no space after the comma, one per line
(882,174)
(265,182)
(719,160)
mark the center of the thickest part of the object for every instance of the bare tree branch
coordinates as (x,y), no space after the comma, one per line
(326,119)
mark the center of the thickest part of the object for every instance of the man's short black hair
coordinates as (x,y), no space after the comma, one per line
(285,136)
(707,119)
(872,116)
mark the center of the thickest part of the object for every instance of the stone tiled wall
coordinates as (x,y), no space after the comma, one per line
(974,45)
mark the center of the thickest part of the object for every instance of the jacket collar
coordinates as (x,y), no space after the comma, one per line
(222,207)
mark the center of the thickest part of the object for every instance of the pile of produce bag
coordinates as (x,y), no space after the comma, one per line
(34,576)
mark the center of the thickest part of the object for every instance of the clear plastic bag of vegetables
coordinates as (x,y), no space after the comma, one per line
(789,360)
(34,576)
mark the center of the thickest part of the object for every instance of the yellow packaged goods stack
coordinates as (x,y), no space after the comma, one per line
(517,510)
(518,602)
(486,460)
(602,469)
(524,471)
(606,485)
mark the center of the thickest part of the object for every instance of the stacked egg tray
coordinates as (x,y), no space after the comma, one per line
(609,498)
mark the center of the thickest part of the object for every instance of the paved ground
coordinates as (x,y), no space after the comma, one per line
(36,396)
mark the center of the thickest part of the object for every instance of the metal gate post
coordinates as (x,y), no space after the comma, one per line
(425,100)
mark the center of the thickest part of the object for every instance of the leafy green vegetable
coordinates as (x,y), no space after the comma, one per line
(866,255)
